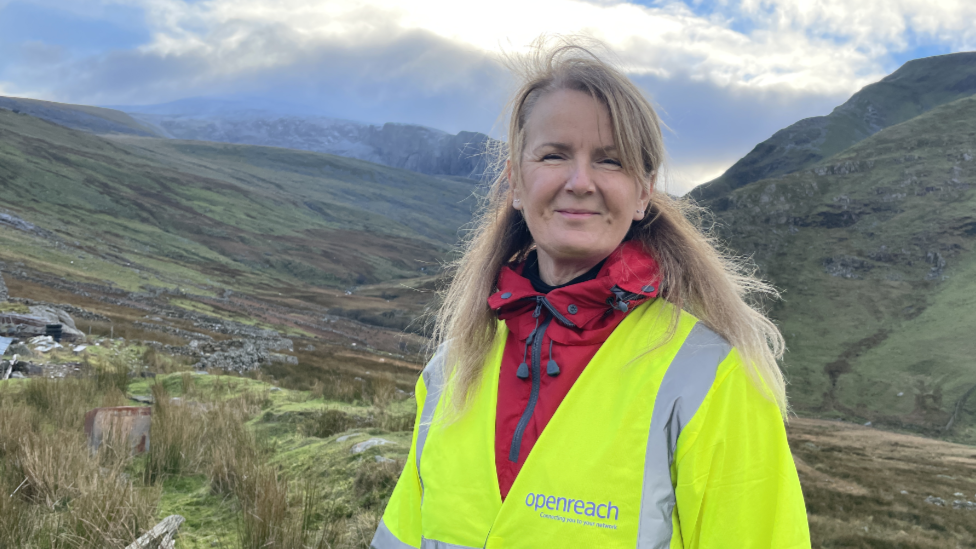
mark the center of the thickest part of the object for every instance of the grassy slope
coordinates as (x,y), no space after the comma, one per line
(915,88)
(877,269)
(135,210)
(80,117)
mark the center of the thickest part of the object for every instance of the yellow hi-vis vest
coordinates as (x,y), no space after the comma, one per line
(676,447)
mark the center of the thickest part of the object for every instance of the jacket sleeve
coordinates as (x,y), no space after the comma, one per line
(736,483)
(400,526)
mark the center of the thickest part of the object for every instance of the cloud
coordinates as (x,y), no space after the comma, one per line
(727,74)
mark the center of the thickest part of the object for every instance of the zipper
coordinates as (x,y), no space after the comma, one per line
(536,336)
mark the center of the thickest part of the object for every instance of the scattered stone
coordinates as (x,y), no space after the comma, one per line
(959,494)
(141,399)
(79,348)
(274,389)
(133,422)
(361,447)
(309,348)
(935,501)
(963,504)
(344,438)
(811,446)
(901,394)
(904,492)
(201,372)
(868,424)
(381,459)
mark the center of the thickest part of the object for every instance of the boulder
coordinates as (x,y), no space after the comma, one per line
(52,315)
(361,447)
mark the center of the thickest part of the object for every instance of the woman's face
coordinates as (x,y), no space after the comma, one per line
(576,199)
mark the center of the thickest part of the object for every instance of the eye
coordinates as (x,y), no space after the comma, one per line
(552,156)
(611,162)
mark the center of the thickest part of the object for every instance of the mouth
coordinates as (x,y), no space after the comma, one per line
(572,213)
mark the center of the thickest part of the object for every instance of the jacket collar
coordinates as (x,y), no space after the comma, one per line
(630,274)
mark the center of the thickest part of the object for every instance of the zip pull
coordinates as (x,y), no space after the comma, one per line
(552,369)
(523,371)
(538,308)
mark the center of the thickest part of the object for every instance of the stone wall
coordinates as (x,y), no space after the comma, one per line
(3,289)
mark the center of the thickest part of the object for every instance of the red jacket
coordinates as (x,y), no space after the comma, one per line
(569,325)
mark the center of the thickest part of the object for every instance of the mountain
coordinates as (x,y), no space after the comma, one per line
(135,210)
(875,252)
(407,146)
(915,88)
(80,117)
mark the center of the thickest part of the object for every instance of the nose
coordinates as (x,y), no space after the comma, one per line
(580,180)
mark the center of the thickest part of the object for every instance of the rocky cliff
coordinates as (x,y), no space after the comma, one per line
(411,147)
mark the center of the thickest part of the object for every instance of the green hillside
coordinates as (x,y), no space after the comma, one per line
(874,250)
(915,88)
(80,117)
(137,211)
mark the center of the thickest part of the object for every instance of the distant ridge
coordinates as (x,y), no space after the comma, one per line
(915,88)
(80,117)
(408,146)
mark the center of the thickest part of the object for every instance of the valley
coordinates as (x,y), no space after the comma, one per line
(289,291)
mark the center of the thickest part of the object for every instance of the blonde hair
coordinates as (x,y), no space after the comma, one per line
(698,277)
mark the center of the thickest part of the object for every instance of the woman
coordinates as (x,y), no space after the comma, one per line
(600,380)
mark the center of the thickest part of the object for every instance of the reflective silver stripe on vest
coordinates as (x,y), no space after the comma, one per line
(433,380)
(685,384)
(384,539)
(434,544)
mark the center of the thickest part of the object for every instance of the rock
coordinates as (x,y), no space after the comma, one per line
(361,447)
(57,316)
(17,375)
(811,446)
(935,501)
(904,492)
(963,504)
(959,495)
(868,424)
(381,459)
(344,438)
(5,343)
(142,399)
(201,372)
(287,359)
(4,296)
(132,421)
(275,389)
(161,536)
(20,349)
(79,348)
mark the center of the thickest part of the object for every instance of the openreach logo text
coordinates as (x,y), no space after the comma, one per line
(578,506)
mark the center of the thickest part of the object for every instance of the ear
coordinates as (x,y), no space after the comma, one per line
(516,199)
(644,198)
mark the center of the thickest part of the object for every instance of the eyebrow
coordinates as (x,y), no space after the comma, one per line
(564,147)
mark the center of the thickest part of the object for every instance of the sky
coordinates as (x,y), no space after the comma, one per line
(724,75)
